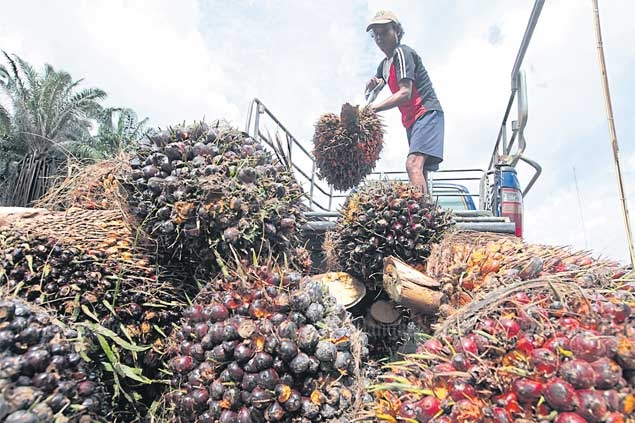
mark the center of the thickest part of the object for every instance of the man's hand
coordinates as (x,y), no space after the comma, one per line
(374,81)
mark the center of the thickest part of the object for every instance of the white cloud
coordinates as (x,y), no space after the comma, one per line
(182,61)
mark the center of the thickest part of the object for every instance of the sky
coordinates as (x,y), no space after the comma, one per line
(182,61)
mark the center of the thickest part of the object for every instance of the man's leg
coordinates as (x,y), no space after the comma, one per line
(414,165)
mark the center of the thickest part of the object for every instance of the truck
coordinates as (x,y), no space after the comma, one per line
(493,202)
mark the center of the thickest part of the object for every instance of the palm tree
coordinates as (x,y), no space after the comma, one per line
(45,114)
(119,130)
(47,109)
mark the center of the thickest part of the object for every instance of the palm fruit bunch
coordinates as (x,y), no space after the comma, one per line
(543,350)
(202,191)
(43,377)
(346,147)
(381,219)
(466,263)
(264,345)
(83,265)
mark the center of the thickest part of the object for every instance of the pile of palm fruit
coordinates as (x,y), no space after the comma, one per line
(380,219)
(178,272)
(549,349)
(467,263)
(85,267)
(43,376)
(264,344)
(206,191)
(346,147)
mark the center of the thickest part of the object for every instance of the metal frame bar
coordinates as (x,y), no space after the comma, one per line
(503,146)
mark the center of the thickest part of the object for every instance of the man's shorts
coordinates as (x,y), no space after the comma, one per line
(425,136)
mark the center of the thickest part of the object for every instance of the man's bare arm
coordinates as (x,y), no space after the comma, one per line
(400,97)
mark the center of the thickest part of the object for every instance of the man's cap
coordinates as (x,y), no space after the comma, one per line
(382,17)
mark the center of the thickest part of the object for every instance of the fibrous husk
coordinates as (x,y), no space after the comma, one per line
(346,147)
(43,374)
(384,219)
(265,343)
(94,186)
(203,192)
(542,349)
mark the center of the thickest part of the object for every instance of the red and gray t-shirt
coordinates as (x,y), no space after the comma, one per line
(406,63)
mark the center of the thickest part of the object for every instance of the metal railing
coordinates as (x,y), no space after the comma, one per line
(503,149)
(322,199)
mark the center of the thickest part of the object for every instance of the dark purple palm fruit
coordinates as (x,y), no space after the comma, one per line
(578,373)
(288,329)
(326,351)
(40,374)
(308,338)
(560,395)
(592,405)
(587,346)
(607,373)
(299,364)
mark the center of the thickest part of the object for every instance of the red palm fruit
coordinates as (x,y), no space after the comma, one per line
(592,405)
(461,389)
(443,368)
(500,415)
(568,324)
(607,373)
(578,373)
(466,345)
(544,361)
(183,363)
(522,298)
(557,343)
(426,408)
(509,401)
(587,346)
(217,312)
(619,312)
(527,390)
(525,344)
(560,395)
(489,326)
(432,345)
(614,418)
(194,313)
(569,418)
(510,326)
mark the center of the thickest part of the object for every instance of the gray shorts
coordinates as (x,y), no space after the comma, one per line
(425,136)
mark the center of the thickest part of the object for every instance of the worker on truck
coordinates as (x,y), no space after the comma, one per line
(412,91)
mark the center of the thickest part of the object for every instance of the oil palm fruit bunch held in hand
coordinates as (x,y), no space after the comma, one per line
(262,345)
(346,147)
(382,219)
(543,351)
(202,190)
(43,378)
